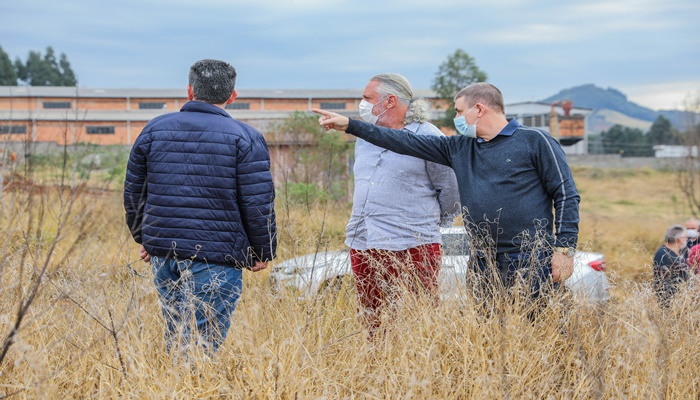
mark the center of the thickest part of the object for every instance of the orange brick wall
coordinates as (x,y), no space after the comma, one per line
(286,104)
(88,103)
(16,137)
(18,103)
(72,132)
(136,128)
(85,103)
(120,104)
(55,131)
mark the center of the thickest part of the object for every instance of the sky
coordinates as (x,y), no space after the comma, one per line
(647,49)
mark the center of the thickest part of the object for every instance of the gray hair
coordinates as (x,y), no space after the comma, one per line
(485,93)
(212,81)
(397,85)
(674,233)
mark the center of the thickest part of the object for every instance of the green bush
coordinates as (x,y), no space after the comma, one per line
(303,193)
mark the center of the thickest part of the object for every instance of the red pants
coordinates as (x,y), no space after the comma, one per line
(382,275)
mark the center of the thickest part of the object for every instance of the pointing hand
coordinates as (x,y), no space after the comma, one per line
(330,120)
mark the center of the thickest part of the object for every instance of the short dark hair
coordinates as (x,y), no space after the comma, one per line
(212,81)
(482,92)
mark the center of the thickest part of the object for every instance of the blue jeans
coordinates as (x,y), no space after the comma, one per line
(195,294)
(531,270)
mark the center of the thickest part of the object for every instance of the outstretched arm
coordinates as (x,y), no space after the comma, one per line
(430,148)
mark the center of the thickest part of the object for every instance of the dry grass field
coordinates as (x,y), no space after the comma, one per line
(91,327)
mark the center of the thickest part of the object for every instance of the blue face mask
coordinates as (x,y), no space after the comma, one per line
(463,127)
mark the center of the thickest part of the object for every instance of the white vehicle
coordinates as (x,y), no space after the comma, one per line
(315,272)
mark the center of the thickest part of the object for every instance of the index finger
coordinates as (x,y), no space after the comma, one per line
(322,112)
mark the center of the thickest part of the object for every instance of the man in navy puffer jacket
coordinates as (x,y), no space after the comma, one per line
(199,198)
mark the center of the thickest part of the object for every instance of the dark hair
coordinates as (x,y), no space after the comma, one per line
(212,81)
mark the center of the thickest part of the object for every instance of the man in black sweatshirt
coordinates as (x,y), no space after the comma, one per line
(511,178)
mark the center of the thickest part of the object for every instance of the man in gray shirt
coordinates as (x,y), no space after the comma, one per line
(399,204)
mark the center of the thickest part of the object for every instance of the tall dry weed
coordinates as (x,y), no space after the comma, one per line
(95,329)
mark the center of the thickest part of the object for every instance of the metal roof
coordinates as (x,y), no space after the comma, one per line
(73,92)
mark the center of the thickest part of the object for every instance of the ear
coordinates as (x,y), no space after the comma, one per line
(233,97)
(190,92)
(480,109)
(390,101)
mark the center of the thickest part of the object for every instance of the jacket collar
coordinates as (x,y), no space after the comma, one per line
(200,106)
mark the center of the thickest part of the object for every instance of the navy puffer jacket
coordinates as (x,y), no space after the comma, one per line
(198,184)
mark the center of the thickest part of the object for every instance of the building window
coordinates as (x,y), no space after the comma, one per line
(152,105)
(12,129)
(99,130)
(238,106)
(57,104)
(332,105)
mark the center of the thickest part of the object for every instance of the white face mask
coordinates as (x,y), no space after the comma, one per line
(365,109)
(692,233)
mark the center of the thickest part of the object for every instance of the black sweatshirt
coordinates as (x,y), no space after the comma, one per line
(508,185)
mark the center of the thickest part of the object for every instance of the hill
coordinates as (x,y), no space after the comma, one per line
(604,119)
(599,99)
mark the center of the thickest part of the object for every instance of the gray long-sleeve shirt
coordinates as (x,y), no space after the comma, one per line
(508,185)
(400,201)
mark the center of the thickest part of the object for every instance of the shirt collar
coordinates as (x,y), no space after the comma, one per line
(508,130)
(412,127)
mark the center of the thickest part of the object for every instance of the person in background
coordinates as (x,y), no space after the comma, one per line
(691,227)
(199,198)
(693,247)
(670,269)
(399,205)
(693,259)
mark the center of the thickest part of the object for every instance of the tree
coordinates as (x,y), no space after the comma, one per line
(688,177)
(45,71)
(662,132)
(68,75)
(320,168)
(8,75)
(457,72)
(628,142)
